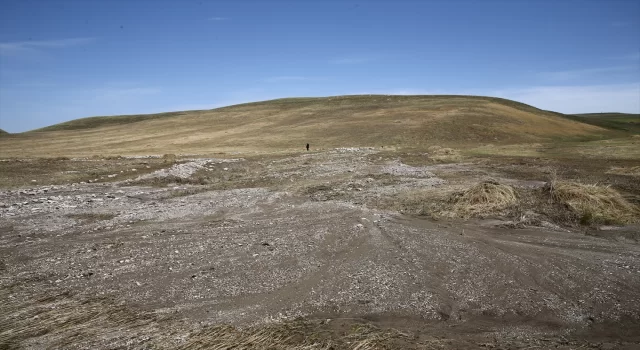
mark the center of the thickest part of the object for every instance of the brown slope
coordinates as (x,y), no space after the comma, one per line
(287,124)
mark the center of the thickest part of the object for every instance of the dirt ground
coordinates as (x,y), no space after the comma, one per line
(310,242)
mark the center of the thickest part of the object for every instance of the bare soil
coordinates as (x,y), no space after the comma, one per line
(308,243)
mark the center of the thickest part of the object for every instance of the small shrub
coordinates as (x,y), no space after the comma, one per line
(169,158)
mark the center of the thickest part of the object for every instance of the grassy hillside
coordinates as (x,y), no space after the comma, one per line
(616,121)
(95,122)
(288,124)
(2,132)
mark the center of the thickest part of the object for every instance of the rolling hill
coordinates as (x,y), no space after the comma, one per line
(2,132)
(288,124)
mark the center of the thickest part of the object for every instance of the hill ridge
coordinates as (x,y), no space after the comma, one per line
(325,122)
(88,122)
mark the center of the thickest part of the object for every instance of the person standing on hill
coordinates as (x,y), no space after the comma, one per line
(307,146)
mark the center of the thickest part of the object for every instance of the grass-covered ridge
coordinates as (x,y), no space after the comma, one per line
(324,122)
(95,122)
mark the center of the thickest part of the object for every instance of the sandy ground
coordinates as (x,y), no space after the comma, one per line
(110,265)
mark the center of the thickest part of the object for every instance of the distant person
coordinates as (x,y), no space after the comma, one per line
(307,146)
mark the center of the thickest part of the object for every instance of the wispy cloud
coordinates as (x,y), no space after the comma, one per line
(33,85)
(18,47)
(621,24)
(218,18)
(357,59)
(582,73)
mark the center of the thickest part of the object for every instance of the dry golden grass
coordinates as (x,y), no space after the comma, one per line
(594,204)
(444,154)
(485,198)
(56,171)
(296,335)
(64,321)
(288,124)
(631,171)
(480,200)
(415,202)
(616,148)
(169,158)
(516,150)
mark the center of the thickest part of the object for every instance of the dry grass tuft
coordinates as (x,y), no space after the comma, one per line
(632,171)
(295,335)
(169,158)
(594,204)
(422,202)
(443,154)
(484,198)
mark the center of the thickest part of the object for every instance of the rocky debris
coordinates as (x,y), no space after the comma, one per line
(185,170)
(397,168)
(354,150)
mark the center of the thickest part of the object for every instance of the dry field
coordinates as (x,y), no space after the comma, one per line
(403,242)
(354,248)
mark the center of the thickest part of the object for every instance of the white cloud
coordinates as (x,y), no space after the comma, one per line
(582,73)
(353,59)
(18,47)
(578,99)
(34,85)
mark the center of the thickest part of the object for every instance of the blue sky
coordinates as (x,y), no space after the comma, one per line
(62,60)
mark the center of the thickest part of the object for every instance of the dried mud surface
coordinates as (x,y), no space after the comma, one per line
(117,265)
